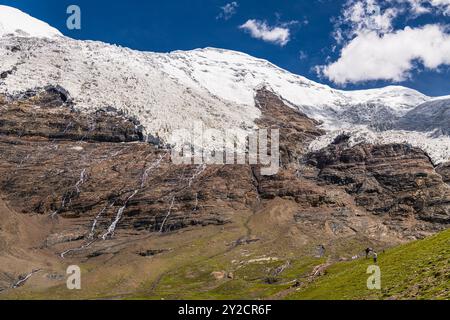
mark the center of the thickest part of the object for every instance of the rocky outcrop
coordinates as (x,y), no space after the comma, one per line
(396,181)
(296,129)
(47,113)
(444,171)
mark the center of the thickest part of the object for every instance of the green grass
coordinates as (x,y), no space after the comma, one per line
(418,270)
(249,280)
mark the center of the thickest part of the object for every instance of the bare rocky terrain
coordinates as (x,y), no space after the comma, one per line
(84,188)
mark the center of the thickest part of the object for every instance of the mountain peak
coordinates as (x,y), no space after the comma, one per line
(18,23)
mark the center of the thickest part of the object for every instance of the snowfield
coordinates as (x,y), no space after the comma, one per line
(234,76)
(98,76)
(170,91)
(16,22)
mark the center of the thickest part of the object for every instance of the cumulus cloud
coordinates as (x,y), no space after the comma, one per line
(391,56)
(379,15)
(279,35)
(228,10)
(372,49)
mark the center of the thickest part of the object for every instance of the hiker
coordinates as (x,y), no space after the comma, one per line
(368,251)
(375,257)
(321,250)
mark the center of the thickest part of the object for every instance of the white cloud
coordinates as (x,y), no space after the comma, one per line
(443,5)
(372,49)
(261,30)
(420,7)
(369,15)
(228,10)
(360,16)
(371,56)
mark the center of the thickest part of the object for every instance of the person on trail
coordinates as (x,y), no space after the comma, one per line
(375,257)
(321,250)
(368,251)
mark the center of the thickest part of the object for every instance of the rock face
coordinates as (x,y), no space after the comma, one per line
(444,171)
(61,163)
(296,129)
(93,174)
(397,181)
(46,113)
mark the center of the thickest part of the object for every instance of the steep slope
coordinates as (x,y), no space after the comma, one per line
(107,199)
(437,147)
(366,171)
(444,171)
(15,22)
(427,117)
(136,187)
(98,76)
(234,76)
(419,270)
(157,88)
(165,92)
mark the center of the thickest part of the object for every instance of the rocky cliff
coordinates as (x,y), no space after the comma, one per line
(396,181)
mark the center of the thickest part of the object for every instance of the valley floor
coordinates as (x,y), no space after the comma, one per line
(207,263)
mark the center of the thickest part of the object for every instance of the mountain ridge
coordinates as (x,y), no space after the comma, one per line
(16,22)
(170,91)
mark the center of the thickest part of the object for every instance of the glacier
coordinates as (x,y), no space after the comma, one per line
(170,91)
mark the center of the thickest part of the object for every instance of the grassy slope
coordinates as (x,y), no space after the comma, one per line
(418,270)
(195,281)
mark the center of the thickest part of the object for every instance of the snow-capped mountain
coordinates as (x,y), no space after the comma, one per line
(233,76)
(168,91)
(15,22)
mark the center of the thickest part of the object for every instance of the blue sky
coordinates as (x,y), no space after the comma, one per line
(312,25)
